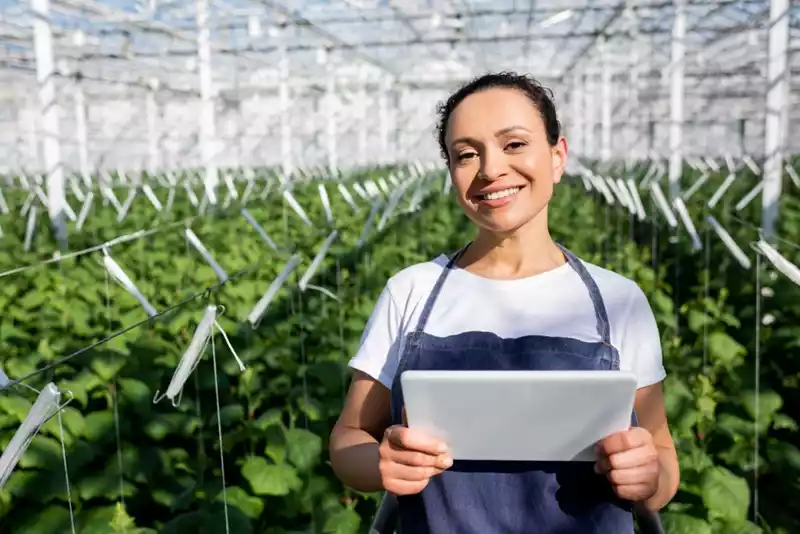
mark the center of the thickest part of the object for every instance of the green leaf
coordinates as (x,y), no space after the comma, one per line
(267,479)
(735,527)
(246,503)
(725,350)
(304,448)
(344,521)
(769,402)
(51,519)
(725,495)
(676,523)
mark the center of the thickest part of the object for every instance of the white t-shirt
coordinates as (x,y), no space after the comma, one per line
(555,303)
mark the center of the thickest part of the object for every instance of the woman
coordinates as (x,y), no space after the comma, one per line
(512,299)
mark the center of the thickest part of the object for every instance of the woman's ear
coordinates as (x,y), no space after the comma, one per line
(559,158)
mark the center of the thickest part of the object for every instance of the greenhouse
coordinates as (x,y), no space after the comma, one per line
(201,203)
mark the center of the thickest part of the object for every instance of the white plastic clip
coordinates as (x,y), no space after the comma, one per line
(680,207)
(191,357)
(312,269)
(782,264)
(748,198)
(376,205)
(728,241)
(30,228)
(287,195)
(201,248)
(633,192)
(347,196)
(46,405)
(397,194)
(722,189)
(695,186)
(358,188)
(87,204)
(261,306)
(662,204)
(117,273)
(326,203)
(792,174)
(257,227)
(752,165)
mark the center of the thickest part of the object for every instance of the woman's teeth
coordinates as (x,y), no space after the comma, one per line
(500,194)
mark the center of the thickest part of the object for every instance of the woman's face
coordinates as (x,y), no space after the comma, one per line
(502,167)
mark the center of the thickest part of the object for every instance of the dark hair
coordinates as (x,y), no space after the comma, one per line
(541,97)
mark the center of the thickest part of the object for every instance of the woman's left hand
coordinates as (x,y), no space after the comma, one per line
(630,461)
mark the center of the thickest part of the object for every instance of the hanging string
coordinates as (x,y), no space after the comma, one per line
(706,294)
(66,471)
(757,388)
(219,429)
(114,400)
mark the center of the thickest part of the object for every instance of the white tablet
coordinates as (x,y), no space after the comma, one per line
(519,415)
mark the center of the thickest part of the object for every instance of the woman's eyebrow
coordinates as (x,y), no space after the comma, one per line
(498,133)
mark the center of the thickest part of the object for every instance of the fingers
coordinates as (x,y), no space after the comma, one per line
(623,441)
(414,440)
(628,459)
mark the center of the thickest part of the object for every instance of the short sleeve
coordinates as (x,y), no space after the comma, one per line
(377,355)
(641,342)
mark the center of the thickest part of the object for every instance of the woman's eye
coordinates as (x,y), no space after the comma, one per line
(515,145)
(465,155)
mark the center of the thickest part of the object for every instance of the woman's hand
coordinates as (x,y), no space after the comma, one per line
(409,458)
(630,461)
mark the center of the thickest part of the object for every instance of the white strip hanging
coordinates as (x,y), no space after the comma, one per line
(600,183)
(782,264)
(347,196)
(358,188)
(751,165)
(680,207)
(663,205)
(637,200)
(127,205)
(326,203)
(3,206)
(627,200)
(729,242)
(612,185)
(287,195)
(119,275)
(312,269)
(257,227)
(261,306)
(384,186)
(151,196)
(46,405)
(248,190)
(722,189)
(76,190)
(712,164)
(87,204)
(730,163)
(393,201)
(29,229)
(372,189)
(695,186)
(748,198)
(376,205)
(191,194)
(268,188)
(201,248)
(190,359)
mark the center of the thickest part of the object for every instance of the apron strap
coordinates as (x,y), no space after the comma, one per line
(437,288)
(603,324)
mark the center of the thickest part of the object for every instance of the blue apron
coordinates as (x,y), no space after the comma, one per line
(499,497)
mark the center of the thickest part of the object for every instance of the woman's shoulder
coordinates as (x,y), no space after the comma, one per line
(613,284)
(417,276)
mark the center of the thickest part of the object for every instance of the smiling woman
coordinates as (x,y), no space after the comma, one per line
(512,299)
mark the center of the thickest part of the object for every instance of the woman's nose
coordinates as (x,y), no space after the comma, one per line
(493,165)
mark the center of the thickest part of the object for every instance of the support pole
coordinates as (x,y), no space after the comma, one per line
(151,110)
(287,161)
(605,132)
(331,108)
(48,113)
(81,133)
(777,112)
(208,143)
(676,99)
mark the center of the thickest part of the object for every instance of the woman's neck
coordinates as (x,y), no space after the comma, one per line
(527,251)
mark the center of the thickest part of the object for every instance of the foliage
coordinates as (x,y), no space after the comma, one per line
(276,416)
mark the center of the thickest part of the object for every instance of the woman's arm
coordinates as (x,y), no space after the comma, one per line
(651,415)
(356,436)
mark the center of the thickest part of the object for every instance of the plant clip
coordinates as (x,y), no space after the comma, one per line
(46,406)
(119,275)
(191,357)
(789,269)
(729,242)
(254,317)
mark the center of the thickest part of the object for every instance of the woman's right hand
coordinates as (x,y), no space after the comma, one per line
(409,458)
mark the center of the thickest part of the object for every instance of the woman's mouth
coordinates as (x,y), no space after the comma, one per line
(496,199)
